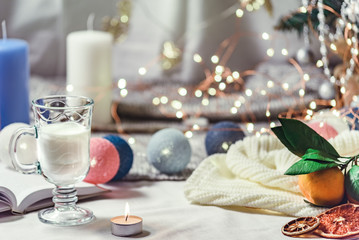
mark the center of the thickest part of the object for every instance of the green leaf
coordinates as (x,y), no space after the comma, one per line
(318,156)
(301,137)
(352,182)
(308,166)
(278,131)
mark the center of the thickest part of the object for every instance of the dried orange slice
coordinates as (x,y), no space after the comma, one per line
(300,226)
(339,222)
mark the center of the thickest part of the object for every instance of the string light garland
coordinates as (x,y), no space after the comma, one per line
(222,82)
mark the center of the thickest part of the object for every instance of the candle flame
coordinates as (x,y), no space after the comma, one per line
(127,211)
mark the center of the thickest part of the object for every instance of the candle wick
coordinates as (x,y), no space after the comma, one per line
(3,26)
(126,218)
(90,22)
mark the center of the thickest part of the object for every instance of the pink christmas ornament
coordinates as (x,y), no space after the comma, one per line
(104,161)
(323,129)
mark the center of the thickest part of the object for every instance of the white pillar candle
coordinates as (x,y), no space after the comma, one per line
(89,70)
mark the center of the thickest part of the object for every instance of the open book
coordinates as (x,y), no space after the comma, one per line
(22,193)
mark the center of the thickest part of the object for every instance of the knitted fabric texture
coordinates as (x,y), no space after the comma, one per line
(251,174)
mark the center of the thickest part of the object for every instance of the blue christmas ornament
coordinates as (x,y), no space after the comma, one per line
(169,151)
(126,156)
(221,136)
(351,116)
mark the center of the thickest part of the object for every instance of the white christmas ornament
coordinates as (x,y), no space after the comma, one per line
(326,91)
(305,56)
(26,150)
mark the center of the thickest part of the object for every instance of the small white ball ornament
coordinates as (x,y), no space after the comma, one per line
(26,150)
(304,56)
(169,151)
(326,91)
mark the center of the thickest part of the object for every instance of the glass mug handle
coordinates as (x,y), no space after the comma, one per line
(23,168)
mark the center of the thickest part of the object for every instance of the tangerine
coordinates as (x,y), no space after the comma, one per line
(324,187)
(352,184)
(339,222)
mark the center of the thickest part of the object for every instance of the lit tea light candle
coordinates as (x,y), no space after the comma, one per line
(126,225)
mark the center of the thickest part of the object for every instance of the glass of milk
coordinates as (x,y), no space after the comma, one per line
(62,127)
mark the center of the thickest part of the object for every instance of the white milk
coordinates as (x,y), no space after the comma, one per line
(63,151)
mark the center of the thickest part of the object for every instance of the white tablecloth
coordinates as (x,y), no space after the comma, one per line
(166,214)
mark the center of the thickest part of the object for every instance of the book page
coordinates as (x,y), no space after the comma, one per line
(34,188)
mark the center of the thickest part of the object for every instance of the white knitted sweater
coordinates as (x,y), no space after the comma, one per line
(251,175)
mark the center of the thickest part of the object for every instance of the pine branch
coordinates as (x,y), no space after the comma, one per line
(297,20)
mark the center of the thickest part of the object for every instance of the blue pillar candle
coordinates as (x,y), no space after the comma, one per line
(14,81)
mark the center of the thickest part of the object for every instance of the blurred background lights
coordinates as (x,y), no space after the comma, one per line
(301,92)
(69,88)
(285,86)
(156,101)
(176,104)
(333,47)
(229,79)
(313,105)
(239,13)
(142,71)
(217,78)
(249,92)
(234,110)
(219,69)
(235,75)
(123,92)
(342,90)
(250,127)
(303,9)
(182,91)
(188,134)
(198,93)
(196,127)
(270,52)
(124,18)
(270,84)
(164,100)
(197,58)
(212,91)
(179,114)
(284,52)
(205,102)
(131,141)
(214,59)
(121,83)
(222,86)
(249,8)
(265,36)
(319,63)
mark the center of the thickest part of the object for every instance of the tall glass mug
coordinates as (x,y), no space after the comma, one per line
(62,128)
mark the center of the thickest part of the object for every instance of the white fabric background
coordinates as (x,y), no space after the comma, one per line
(196,26)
